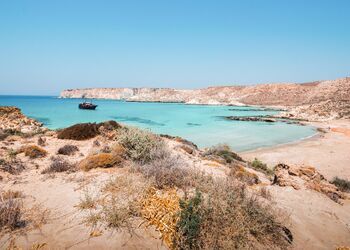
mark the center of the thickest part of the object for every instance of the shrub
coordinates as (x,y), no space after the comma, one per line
(13,166)
(342,184)
(188,226)
(58,165)
(68,150)
(41,141)
(223,151)
(241,174)
(227,217)
(33,151)
(139,143)
(261,167)
(81,131)
(102,160)
(10,212)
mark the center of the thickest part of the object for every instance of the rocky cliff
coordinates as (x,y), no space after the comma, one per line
(279,94)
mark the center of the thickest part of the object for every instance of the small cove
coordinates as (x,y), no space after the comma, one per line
(198,123)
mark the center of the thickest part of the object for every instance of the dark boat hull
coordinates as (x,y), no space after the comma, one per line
(90,107)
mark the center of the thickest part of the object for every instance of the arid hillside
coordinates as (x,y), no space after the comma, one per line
(281,94)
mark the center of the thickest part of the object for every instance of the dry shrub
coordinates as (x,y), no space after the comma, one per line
(33,151)
(119,204)
(13,166)
(224,152)
(160,209)
(88,201)
(166,169)
(11,212)
(139,143)
(261,167)
(101,160)
(243,175)
(342,184)
(222,215)
(81,131)
(41,141)
(59,165)
(68,150)
(10,194)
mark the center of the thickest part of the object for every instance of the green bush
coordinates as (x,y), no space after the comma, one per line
(224,151)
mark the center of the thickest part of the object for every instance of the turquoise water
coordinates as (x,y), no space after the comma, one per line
(201,124)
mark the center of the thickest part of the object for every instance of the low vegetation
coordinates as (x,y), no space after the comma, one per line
(68,150)
(33,151)
(12,166)
(224,152)
(243,175)
(59,165)
(101,160)
(342,184)
(261,167)
(81,131)
(11,210)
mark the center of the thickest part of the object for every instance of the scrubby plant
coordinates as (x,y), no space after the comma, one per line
(13,166)
(189,224)
(81,131)
(68,150)
(223,151)
(59,165)
(261,167)
(166,170)
(11,212)
(243,175)
(139,143)
(342,184)
(33,151)
(228,217)
(101,160)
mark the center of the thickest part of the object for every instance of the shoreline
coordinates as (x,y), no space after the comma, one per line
(327,152)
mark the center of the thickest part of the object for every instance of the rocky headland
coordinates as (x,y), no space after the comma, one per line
(320,100)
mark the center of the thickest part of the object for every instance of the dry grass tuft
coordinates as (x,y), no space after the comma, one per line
(59,165)
(102,160)
(68,150)
(160,209)
(11,211)
(33,151)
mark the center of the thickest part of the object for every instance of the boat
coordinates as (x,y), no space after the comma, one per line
(87,105)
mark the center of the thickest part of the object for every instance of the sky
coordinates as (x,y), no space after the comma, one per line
(48,46)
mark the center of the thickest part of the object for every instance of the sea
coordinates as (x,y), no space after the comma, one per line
(202,124)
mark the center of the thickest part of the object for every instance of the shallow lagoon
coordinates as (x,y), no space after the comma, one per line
(201,124)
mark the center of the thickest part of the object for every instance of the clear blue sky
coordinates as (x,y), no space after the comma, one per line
(47,46)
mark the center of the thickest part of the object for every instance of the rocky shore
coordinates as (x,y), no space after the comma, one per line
(321,100)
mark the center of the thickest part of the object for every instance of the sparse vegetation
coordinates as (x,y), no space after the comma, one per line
(101,160)
(139,144)
(68,150)
(342,184)
(11,211)
(13,166)
(59,165)
(224,152)
(261,167)
(33,151)
(243,175)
